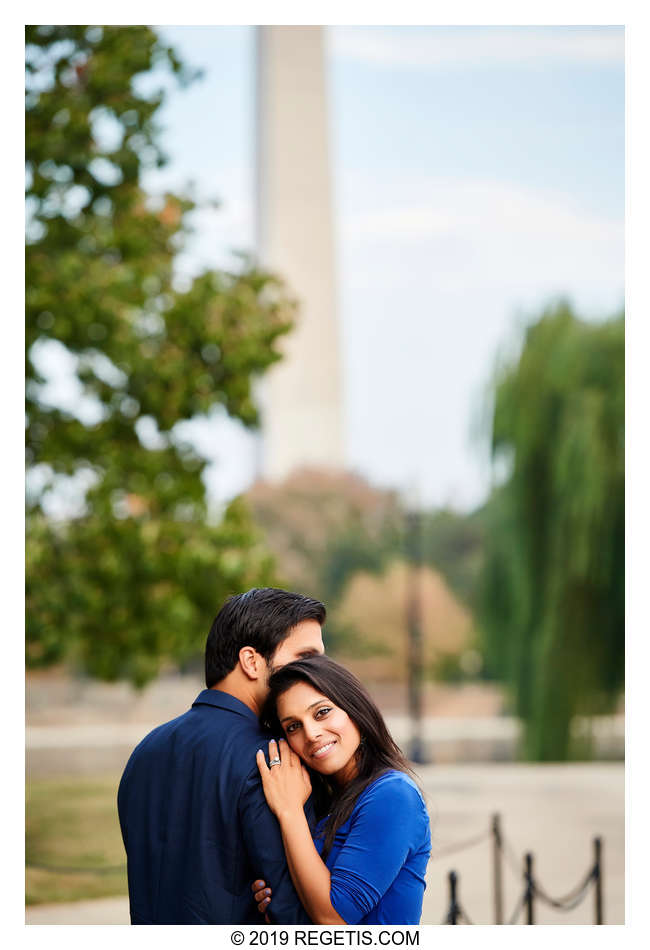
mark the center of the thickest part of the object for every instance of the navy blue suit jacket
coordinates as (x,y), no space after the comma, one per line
(195,823)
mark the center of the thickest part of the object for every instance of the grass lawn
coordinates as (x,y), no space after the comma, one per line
(73,844)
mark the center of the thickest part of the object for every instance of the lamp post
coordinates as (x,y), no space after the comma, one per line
(416,751)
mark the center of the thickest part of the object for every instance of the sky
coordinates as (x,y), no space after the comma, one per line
(478,174)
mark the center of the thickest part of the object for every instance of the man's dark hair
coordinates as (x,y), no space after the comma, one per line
(261,618)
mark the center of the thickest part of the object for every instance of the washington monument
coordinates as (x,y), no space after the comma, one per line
(301,396)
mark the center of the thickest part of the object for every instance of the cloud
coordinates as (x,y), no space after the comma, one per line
(491,232)
(445,206)
(462,47)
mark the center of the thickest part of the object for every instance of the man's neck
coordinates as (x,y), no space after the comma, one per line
(240,688)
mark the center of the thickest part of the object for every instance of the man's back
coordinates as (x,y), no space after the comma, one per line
(196,827)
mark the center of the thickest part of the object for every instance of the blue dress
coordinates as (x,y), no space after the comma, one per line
(379,857)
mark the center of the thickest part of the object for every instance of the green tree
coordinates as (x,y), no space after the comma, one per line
(322,528)
(553,580)
(134,578)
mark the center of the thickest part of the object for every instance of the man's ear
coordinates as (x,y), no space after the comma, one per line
(251,662)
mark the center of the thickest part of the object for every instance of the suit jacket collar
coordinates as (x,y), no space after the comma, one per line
(215,697)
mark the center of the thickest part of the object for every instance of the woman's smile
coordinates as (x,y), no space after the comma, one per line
(322,751)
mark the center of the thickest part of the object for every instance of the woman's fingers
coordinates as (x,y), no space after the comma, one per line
(281,750)
(261,764)
(287,754)
(262,895)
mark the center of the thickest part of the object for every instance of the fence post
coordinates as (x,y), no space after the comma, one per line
(497,868)
(528,877)
(452,916)
(598,877)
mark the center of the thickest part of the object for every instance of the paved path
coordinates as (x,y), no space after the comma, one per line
(107,910)
(552,810)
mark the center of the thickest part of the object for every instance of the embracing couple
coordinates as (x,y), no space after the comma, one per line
(320,824)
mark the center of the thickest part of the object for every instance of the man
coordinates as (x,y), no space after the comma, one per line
(195,824)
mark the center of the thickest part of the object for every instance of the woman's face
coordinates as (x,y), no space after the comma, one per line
(322,734)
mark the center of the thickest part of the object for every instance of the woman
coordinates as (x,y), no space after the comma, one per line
(366,860)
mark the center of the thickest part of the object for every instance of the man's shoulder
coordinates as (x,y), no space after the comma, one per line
(212,732)
(162,730)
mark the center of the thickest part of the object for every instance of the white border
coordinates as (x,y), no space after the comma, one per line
(638,524)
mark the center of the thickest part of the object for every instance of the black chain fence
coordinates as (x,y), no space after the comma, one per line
(532,889)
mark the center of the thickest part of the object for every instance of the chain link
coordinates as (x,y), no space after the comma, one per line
(518,908)
(509,854)
(570,900)
(460,846)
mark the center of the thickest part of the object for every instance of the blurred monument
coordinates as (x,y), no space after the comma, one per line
(301,396)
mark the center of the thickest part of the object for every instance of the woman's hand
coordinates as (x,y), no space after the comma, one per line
(286,785)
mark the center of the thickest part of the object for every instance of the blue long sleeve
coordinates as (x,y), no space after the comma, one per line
(384,854)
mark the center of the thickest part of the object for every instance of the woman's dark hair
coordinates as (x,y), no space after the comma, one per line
(261,618)
(377,753)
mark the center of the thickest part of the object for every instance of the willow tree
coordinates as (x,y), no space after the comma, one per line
(132,578)
(553,582)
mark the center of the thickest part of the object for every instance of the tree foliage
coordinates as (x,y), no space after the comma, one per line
(329,531)
(553,581)
(324,526)
(452,543)
(134,578)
